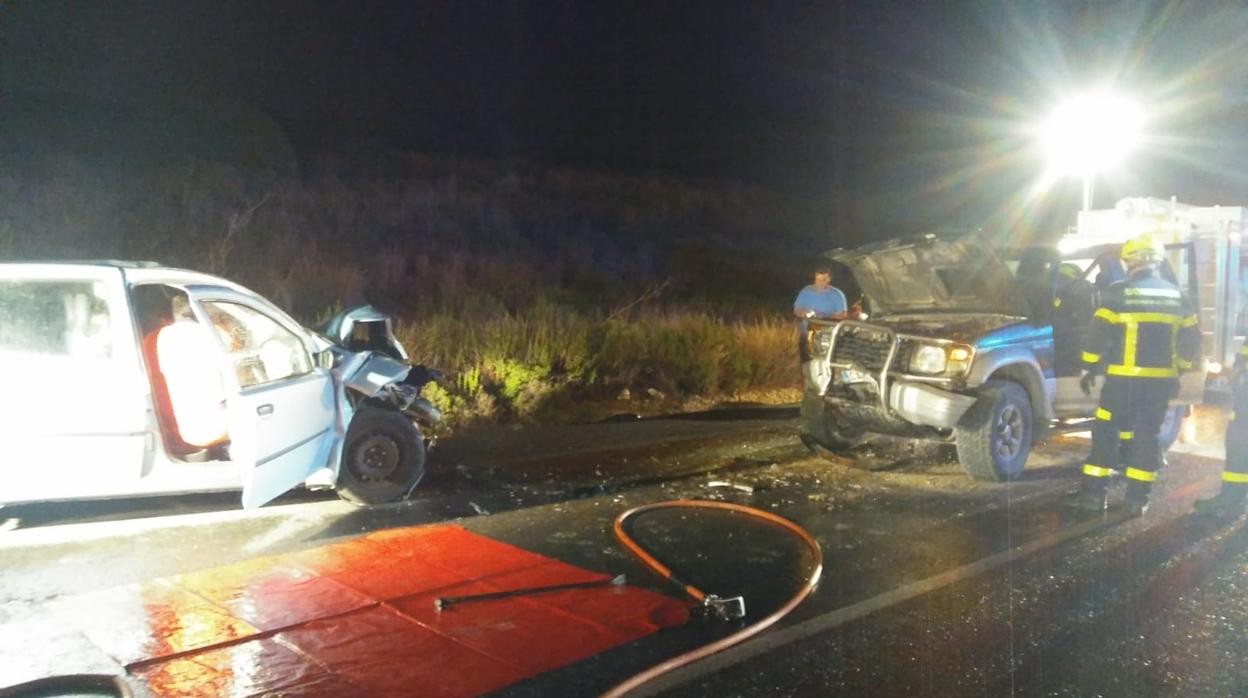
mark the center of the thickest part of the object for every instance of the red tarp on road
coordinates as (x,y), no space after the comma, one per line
(355,618)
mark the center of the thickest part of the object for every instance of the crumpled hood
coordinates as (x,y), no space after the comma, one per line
(933,273)
(365,328)
(959,327)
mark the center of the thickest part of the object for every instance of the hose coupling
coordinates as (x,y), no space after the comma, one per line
(732,608)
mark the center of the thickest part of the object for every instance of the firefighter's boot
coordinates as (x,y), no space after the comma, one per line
(1228,504)
(1136,501)
(1093,494)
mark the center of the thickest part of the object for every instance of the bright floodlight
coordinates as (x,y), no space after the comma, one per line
(1091,133)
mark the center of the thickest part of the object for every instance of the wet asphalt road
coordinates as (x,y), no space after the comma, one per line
(933,585)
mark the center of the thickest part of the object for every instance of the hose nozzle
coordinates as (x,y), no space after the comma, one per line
(732,608)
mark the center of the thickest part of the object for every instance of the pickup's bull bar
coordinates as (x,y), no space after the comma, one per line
(902,396)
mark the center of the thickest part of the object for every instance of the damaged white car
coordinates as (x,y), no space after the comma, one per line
(124,379)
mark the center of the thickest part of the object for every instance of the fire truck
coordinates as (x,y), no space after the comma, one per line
(1204,245)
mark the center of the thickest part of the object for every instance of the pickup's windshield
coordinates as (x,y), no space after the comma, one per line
(936,275)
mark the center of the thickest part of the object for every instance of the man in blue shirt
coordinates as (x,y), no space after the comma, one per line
(818,300)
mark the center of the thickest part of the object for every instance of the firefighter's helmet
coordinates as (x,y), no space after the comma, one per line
(1141,249)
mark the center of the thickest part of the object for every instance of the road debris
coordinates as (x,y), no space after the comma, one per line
(479,509)
(733,485)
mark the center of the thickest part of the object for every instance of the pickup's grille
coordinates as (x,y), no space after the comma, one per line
(862,346)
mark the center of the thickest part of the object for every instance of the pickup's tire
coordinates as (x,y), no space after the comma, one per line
(994,437)
(818,431)
(383,458)
(1170,427)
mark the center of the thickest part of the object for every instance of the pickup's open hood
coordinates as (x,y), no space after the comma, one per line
(934,273)
(959,327)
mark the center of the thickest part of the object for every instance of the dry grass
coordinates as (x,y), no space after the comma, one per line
(539,363)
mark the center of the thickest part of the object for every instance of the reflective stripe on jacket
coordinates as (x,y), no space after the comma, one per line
(1143,328)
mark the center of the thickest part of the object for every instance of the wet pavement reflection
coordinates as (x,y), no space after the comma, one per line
(352,618)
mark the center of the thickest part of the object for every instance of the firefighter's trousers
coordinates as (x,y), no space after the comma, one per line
(1124,435)
(1236,473)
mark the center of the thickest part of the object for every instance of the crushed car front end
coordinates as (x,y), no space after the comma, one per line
(385,427)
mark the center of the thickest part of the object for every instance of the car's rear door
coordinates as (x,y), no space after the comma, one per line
(282,407)
(73,411)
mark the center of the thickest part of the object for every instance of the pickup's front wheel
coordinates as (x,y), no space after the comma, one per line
(383,458)
(994,436)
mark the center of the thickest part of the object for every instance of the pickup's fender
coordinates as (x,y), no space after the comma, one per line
(1018,363)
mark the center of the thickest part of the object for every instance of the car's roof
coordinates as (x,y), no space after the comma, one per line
(135,272)
(118,263)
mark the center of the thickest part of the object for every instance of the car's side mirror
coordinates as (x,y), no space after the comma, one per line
(325,359)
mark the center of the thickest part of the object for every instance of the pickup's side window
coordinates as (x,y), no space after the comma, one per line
(260,350)
(1034,276)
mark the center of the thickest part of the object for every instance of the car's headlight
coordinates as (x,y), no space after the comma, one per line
(936,359)
(929,359)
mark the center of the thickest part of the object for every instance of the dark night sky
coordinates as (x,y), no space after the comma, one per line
(910,112)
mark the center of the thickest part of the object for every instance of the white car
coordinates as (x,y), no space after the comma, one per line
(128,378)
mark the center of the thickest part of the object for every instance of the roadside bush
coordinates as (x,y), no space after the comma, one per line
(768,352)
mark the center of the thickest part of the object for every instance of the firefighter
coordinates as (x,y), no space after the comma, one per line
(1143,334)
(1229,502)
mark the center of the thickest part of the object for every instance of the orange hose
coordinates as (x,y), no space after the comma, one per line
(698,595)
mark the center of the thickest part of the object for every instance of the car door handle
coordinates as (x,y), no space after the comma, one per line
(264,410)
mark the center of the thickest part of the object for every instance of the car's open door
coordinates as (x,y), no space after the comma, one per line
(281,406)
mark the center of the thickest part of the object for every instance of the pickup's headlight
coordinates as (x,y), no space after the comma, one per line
(936,359)
(960,356)
(818,341)
(929,359)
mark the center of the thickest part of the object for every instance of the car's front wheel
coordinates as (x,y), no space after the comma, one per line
(994,437)
(383,458)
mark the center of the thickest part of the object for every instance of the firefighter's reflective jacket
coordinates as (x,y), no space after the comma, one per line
(1143,328)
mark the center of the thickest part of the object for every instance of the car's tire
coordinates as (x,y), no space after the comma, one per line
(994,437)
(383,458)
(1170,427)
(818,431)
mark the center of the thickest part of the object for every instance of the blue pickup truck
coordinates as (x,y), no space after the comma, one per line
(962,343)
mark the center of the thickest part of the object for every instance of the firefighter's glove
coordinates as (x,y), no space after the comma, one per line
(1086,381)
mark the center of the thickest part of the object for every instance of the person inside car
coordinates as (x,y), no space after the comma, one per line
(186,382)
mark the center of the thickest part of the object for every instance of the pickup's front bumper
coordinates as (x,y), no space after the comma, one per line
(928,405)
(908,401)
